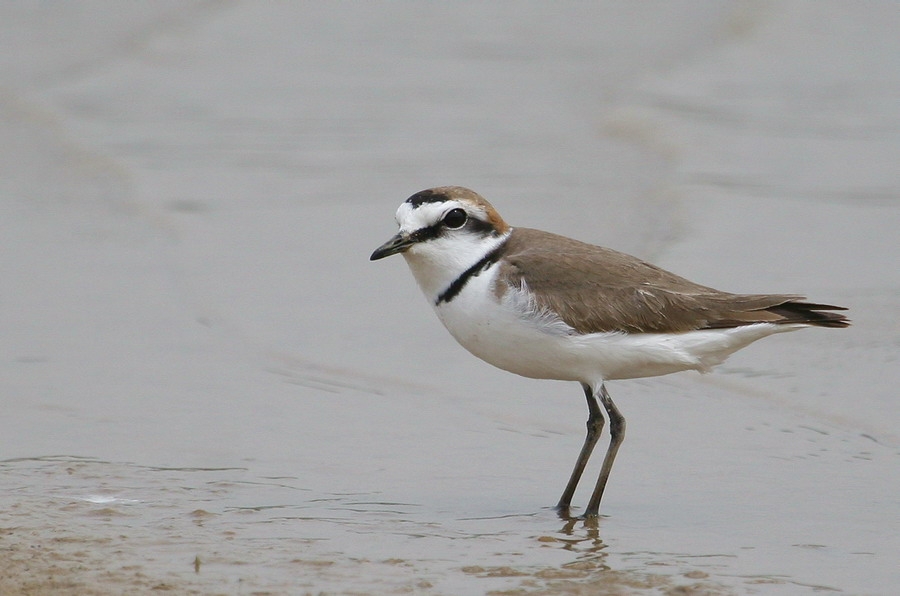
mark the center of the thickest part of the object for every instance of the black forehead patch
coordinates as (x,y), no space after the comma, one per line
(427,196)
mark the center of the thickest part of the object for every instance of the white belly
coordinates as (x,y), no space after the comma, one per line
(505,334)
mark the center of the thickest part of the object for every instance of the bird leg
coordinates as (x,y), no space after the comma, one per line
(617,434)
(595,423)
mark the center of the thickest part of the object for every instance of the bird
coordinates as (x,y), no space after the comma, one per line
(545,306)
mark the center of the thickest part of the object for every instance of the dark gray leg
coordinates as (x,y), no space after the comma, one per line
(617,434)
(594,428)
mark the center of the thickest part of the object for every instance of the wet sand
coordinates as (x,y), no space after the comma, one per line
(209,389)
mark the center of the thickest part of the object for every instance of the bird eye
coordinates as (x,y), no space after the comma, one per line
(455,218)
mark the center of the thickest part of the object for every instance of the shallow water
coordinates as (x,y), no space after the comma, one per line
(208,388)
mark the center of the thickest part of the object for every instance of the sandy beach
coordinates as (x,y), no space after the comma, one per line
(207,388)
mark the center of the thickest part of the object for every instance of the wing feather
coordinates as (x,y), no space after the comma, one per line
(595,289)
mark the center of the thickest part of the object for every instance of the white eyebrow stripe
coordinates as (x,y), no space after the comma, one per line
(411,218)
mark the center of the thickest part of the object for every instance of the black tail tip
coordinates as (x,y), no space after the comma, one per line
(812,314)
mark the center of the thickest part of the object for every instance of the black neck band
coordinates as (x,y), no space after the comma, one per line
(460,282)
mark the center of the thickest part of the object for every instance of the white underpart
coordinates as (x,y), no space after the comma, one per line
(511,334)
(514,334)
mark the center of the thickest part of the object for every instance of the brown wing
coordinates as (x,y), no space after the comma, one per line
(596,289)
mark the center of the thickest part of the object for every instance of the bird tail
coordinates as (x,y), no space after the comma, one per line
(808,313)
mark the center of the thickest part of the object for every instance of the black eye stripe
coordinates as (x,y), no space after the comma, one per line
(481,227)
(473,224)
(426,234)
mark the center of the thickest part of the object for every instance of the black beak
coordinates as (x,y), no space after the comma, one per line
(399,243)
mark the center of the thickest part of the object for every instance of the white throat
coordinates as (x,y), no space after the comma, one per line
(437,263)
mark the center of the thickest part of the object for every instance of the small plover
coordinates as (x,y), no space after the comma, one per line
(548,307)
